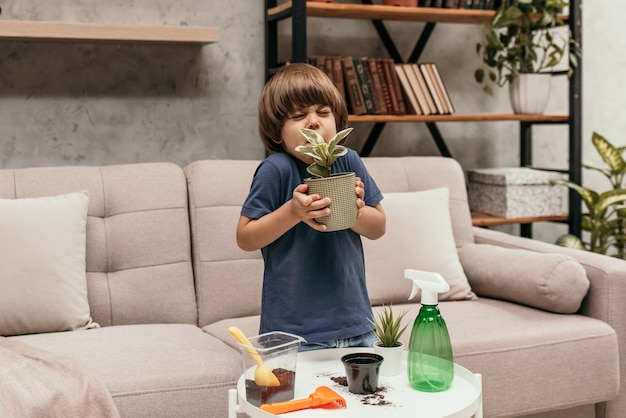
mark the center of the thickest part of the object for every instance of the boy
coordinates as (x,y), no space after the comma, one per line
(314,281)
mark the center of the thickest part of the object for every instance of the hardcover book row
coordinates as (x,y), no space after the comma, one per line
(378,86)
(463,4)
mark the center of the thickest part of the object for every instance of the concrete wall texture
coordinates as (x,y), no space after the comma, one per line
(88,103)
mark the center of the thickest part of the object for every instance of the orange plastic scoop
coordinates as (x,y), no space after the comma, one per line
(323,395)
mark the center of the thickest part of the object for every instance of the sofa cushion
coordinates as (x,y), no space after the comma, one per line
(553,282)
(228,280)
(153,370)
(418,236)
(43,275)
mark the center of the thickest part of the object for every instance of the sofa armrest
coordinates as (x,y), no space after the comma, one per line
(604,301)
(607,275)
(552,282)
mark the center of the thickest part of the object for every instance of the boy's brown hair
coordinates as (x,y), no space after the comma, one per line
(296,86)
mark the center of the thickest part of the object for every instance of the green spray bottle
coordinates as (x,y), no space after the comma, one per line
(430,365)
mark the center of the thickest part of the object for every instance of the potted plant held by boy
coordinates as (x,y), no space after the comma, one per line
(389,329)
(522,43)
(339,187)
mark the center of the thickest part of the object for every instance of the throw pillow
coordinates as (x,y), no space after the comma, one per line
(42,259)
(418,236)
(552,282)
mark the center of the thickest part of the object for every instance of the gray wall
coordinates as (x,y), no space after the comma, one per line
(89,103)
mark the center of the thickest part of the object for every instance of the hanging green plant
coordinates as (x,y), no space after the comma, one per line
(519,40)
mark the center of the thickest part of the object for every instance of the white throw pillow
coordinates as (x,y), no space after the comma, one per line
(42,264)
(419,236)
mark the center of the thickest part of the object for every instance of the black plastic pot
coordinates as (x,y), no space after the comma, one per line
(362,371)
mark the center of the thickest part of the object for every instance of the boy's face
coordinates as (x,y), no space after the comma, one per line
(318,118)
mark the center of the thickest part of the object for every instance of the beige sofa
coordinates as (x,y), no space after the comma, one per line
(165,279)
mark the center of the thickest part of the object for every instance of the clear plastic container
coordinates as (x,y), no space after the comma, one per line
(279,353)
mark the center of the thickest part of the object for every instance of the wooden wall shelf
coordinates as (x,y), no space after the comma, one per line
(22,30)
(482,219)
(478,117)
(379,12)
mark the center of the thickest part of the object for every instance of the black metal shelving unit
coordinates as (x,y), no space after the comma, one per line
(299,11)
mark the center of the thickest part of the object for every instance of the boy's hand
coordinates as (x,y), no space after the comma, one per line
(360,195)
(308,207)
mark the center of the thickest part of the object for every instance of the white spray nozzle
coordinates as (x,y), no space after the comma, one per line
(431,284)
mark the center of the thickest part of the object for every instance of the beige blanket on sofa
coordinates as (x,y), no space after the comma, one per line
(35,383)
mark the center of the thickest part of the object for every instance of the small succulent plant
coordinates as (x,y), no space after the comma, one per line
(388,327)
(324,153)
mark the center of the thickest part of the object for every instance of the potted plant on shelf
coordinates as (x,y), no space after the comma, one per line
(605,219)
(389,329)
(520,46)
(339,187)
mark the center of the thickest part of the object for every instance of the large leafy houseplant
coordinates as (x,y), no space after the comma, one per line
(519,40)
(605,219)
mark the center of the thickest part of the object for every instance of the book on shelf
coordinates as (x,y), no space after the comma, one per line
(331,65)
(431,88)
(442,88)
(394,84)
(437,87)
(417,89)
(338,76)
(377,83)
(353,89)
(413,106)
(369,85)
(380,66)
(365,91)
(430,103)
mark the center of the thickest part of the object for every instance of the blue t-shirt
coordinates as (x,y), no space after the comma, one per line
(314,282)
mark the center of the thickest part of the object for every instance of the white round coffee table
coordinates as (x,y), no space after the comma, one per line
(397,400)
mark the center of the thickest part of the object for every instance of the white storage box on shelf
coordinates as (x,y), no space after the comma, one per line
(516,192)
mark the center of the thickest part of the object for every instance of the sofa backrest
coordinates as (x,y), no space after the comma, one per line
(229,280)
(138,243)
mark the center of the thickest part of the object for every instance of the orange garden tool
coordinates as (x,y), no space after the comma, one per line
(323,396)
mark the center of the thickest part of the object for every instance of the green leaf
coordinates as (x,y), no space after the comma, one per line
(570,241)
(479,75)
(609,198)
(609,154)
(317,170)
(312,136)
(590,197)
